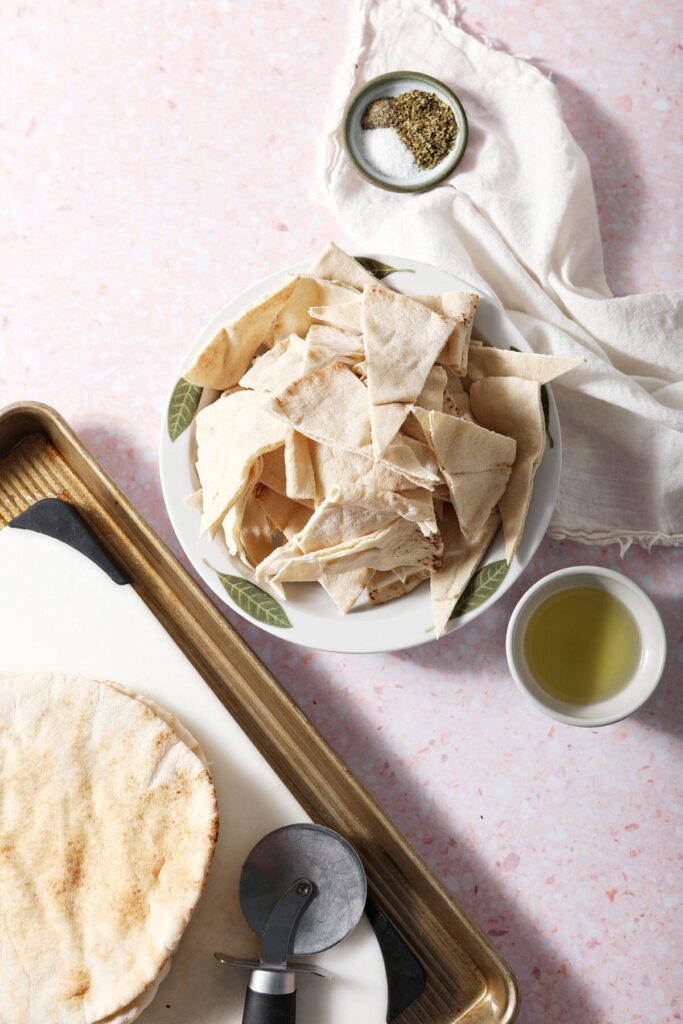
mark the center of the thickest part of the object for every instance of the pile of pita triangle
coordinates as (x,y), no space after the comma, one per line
(362,440)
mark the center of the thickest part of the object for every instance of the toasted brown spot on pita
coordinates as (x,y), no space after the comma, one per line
(74,864)
(131,908)
(79,986)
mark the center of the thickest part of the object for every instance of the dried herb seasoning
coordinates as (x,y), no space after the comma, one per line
(426,125)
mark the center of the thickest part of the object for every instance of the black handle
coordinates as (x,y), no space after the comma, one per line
(263,1008)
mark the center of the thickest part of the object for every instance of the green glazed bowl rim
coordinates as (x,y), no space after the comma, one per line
(451,162)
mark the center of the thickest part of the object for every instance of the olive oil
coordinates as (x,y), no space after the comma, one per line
(582,645)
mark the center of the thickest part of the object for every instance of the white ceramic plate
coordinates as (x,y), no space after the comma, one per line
(309,616)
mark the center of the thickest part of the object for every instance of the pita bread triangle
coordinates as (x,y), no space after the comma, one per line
(335,467)
(476,464)
(277,367)
(431,397)
(256,535)
(293,316)
(345,342)
(326,344)
(233,522)
(228,355)
(455,399)
(273,472)
(333,264)
(318,356)
(284,311)
(231,435)
(432,394)
(461,556)
(346,587)
(329,405)
(387,420)
(345,316)
(286,515)
(334,524)
(459,308)
(414,459)
(402,340)
(465,447)
(299,467)
(486,361)
(387,585)
(475,495)
(415,505)
(513,406)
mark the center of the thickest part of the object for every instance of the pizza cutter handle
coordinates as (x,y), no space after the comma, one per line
(271,998)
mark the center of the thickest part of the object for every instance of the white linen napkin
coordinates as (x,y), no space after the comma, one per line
(518,221)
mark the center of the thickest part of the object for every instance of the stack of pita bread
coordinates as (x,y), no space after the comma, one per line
(108,824)
(361,441)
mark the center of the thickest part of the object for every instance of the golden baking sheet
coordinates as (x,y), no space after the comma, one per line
(467,981)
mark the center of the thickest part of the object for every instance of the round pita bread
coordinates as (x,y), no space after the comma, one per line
(108,822)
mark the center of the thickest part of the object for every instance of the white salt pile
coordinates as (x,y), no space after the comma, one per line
(383,149)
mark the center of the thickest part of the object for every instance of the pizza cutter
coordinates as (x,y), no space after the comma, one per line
(302,890)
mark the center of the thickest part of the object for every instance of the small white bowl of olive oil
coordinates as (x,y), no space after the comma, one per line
(586,645)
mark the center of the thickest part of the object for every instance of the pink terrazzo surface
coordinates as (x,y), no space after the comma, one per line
(155,159)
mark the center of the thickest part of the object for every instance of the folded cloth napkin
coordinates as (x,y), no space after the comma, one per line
(518,222)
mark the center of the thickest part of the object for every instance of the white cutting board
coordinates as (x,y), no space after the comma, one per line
(60,612)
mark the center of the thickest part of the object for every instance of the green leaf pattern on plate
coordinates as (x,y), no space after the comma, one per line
(483,584)
(253,601)
(182,407)
(381,270)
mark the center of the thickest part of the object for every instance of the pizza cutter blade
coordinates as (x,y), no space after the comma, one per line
(302,890)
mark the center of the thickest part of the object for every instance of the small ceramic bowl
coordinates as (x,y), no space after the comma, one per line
(392,85)
(647,674)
